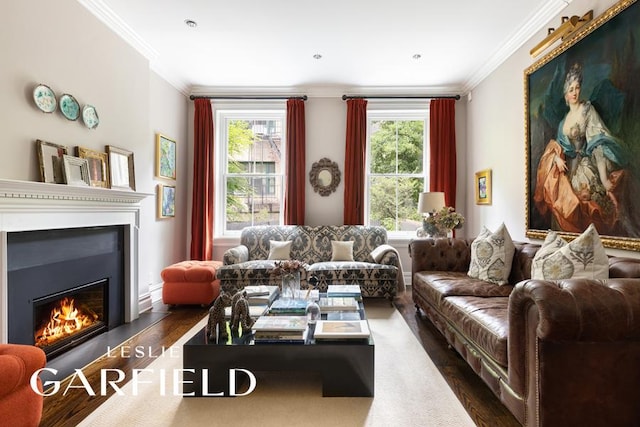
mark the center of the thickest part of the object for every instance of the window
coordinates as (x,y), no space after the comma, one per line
(396,165)
(250,168)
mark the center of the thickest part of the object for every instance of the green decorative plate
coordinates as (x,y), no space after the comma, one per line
(90,116)
(44,98)
(69,107)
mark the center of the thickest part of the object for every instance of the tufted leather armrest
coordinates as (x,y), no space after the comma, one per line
(440,255)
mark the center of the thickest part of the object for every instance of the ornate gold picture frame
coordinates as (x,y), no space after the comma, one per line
(98,166)
(582,132)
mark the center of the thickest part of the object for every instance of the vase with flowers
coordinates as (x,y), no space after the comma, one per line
(289,271)
(441,222)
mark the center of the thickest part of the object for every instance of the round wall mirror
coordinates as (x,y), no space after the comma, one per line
(324,176)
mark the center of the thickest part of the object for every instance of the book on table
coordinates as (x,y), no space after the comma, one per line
(344,291)
(341,329)
(254,311)
(267,337)
(338,304)
(261,294)
(289,306)
(280,324)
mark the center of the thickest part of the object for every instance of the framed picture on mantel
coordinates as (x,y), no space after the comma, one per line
(121,168)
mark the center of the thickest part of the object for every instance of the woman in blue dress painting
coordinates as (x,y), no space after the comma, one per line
(581,176)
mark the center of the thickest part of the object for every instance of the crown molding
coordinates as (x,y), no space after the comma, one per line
(530,28)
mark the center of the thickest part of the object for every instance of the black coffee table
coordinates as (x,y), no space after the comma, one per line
(346,367)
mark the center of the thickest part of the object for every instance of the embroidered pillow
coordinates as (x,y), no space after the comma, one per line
(552,243)
(583,258)
(279,250)
(341,251)
(492,256)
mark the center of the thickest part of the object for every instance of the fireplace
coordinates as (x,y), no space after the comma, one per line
(73,248)
(71,317)
(65,286)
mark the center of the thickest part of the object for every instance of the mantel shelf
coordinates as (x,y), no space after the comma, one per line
(13,189)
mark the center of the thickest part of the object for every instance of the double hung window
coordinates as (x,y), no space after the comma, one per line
(250,168)
(397,159)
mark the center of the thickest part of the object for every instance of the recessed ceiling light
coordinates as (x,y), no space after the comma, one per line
(190,23)
(417,56)
(317,56)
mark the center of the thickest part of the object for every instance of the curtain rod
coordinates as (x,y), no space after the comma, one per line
(345,97)
(192,97)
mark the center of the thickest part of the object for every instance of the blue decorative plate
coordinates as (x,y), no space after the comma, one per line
(69,107)
(44,98)
(90,116)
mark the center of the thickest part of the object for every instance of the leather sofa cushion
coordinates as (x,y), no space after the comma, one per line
(483,321)
(436,285)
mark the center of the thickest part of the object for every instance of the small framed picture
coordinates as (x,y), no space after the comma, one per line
(166,201)
(50,161)
(98,170)
(483,187)
(165,157)
(76,171)
(121,168)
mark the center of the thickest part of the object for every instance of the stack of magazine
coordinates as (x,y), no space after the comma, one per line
(288,306)
(280,329)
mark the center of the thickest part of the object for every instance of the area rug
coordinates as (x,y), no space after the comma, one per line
(409,391)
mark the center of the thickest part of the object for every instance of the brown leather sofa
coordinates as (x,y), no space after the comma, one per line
(563,353)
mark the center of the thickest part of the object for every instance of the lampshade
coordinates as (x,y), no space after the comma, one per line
(430,202)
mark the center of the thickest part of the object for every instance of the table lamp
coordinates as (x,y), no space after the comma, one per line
(429,203)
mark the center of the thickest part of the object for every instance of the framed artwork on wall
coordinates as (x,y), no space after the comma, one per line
(50,161)
(165,157)
(98,169)
(166,201)
(121,168)
(483,187)
(582,106)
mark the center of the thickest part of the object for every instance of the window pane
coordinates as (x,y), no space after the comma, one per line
(397,146)
(253,201)
(254,146)
(394,202)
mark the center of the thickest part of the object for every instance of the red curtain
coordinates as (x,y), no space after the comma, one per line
(203,182)
(294,198)
(354,161)
(442,142)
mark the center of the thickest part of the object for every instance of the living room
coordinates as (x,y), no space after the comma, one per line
(73,51)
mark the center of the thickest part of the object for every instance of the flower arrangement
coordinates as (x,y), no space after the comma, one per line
(289,266)
(443,221)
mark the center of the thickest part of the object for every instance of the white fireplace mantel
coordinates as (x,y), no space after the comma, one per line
(28,206)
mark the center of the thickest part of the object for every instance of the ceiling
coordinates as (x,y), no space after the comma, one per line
(248,44)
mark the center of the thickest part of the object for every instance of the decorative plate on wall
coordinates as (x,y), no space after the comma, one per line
(69,107)
(90,116)
(44,98)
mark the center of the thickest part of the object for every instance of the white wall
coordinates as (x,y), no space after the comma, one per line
(63,45)
(496,135)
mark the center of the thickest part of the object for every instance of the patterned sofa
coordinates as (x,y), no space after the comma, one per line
(248,263)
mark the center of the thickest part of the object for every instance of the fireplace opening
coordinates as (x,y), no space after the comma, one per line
(66,319)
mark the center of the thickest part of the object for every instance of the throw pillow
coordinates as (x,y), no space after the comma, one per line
(492,256)
(279,250)
(341,251)
(582,258)
(551,244)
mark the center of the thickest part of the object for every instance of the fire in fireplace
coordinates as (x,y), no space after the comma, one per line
(69,318)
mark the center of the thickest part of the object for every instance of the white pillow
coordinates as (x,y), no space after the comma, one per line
(279,250)
(341,251)
(552,243)
(583,258)
(492,256)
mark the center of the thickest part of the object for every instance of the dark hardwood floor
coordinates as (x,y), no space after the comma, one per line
(68,410)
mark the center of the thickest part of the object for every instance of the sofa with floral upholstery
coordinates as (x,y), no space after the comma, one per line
(346,254)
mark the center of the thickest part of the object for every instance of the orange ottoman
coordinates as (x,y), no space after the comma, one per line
(190,282)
